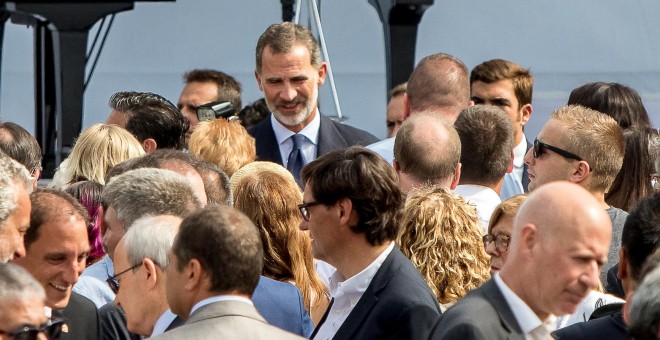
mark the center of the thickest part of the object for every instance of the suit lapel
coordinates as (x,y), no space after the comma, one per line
(329,137)
(266,143)
(496,298)
(355,319)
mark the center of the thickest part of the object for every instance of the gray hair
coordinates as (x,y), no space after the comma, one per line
(140,192)
(17,283)
(12,174)
(151,237)
(645,308)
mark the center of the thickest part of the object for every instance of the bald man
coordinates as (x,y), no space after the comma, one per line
(559,242)
(427,151)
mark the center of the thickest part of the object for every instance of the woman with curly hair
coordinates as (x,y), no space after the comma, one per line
(441,236)
(268,194)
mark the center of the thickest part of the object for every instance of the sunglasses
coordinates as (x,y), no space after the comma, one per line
(304,209)
(539,149)
(501,242)
(51,329)
(112,281)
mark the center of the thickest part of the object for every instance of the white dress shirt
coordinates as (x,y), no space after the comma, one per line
(530,324)
(385,149)
(484,198)
(283,136)
(346,294)
(164,321)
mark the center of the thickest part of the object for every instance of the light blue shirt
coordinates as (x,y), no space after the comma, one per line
(511,186)
(283,136)
(91,284)
(163,322)
(385,149)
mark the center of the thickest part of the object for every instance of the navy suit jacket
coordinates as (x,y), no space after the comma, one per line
(398,304)
(609,327)
(332,136)
(282,306)
(525,176)
(482,314)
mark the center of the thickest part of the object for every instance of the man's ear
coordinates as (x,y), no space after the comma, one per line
(623,272)
(194,273)
(258,77)
(151,273)
(101,217)
(322,72)
(149,145)
(457,177)
(396,166)
(581,172)
(526,114)
(529,237)
(346,212)
(406,106)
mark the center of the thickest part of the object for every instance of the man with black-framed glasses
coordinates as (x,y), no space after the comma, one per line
(585,147)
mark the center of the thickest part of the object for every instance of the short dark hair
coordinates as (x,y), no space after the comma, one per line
(149,115)
(368,181)
(20,145)
(282,37)
(226,243)
(486,143)
(439,81)
(499,69)
(49,204)
(253,114)
(229,89)
(641,233)
(618,101)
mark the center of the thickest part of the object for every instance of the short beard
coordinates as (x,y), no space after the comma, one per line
(301,116)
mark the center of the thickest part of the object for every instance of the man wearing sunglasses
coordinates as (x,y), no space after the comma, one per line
(585,147)
(23,315)
(56,252)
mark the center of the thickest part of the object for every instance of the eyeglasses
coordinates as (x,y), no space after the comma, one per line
(51,329)
(112,281)
(501,242)
(539,149)
(304,209)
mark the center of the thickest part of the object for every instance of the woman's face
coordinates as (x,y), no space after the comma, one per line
(504,226)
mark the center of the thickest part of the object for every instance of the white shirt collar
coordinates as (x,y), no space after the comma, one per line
(164,321)
(311,130)
(519,152)
(526,318)
(219,298)
(484,198)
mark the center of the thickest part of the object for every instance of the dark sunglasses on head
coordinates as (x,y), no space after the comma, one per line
(51,329)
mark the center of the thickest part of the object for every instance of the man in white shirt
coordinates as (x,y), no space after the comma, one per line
(427,151)
(440,83)
(486,141)
(558,244)
(215,266)
(351,206)
(508,86)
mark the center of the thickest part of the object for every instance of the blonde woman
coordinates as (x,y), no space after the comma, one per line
(270,198)
(441,236)
(97,149)
(224,143)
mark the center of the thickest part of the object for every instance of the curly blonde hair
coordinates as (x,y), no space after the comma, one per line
(224,143)
(441,236)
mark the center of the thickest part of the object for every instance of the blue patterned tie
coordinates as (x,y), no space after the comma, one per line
(296,158)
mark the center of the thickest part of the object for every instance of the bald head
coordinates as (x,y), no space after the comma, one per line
(427,150)
(440,81)
(559,242)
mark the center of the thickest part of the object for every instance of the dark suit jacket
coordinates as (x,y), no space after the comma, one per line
(332,136)
(281,304)
(482,314)
(525,176)
(609,327)
(398,304)
(81,319)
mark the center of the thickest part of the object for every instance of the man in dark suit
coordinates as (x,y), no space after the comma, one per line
(214,268)
(508,86)
(352,210)
(56,250)
(289,71)
(559,241)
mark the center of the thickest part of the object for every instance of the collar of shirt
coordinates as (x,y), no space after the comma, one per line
(526,318)
(219,298)
(283,136)
(519,152)
(484,198)
(164,321)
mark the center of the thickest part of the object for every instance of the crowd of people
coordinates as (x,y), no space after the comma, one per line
(208,220)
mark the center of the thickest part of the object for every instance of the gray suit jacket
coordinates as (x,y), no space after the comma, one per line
(226,320)
(482,314)
(332,136)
